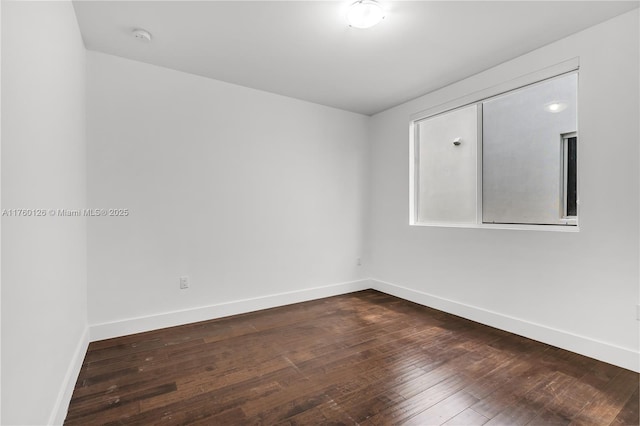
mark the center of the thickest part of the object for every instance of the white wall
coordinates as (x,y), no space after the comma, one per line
(250,194)
(576,290)
(44,307)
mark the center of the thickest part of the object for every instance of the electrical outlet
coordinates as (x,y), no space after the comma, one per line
(638,312)
(359,261)
(184,282)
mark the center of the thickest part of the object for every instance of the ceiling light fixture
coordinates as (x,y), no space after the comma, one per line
(365,14)
(141,34)
(555,106)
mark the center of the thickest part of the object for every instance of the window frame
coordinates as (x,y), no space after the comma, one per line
(573,220)
(477,98)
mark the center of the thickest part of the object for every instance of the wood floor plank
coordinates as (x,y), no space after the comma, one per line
(467,417)
(401,412)
(361,358)
(629,416)
(569,402)
(507,395)
(444,410)
(120,403)
(526,408)
(197,384)
(604,408)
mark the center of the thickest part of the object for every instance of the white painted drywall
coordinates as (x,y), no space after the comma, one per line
(583,283)
(248,193)
(44,305)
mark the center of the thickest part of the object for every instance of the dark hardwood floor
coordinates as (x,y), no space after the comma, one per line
(362,358)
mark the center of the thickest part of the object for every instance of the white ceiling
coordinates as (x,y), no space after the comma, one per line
(305,50)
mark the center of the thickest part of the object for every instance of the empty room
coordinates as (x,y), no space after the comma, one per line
(367,212)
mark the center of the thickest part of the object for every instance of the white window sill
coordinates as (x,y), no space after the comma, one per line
(517,227)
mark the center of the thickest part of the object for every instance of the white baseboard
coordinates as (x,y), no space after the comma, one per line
(203,313)
(622,357)
(61,406)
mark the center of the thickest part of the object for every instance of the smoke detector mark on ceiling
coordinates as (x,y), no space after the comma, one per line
(141,34)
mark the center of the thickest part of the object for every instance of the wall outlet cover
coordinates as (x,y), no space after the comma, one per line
(184,282)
